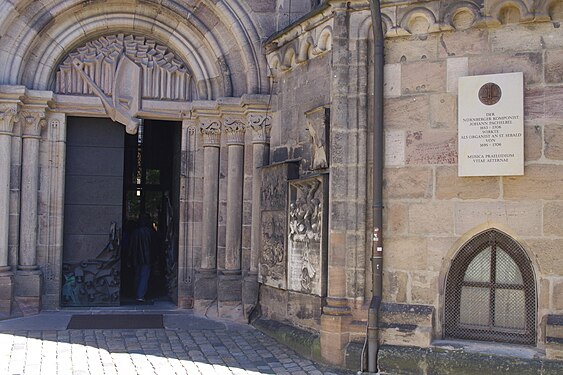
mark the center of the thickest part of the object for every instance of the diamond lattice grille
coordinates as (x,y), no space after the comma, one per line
(490,292)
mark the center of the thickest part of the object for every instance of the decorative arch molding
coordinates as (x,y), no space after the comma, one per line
(458,8)
(217,40)
(307,46)
(496,8)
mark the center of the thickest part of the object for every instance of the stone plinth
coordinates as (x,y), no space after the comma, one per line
(28,288)
(6,293)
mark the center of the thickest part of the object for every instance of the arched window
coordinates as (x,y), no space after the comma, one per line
(490,292)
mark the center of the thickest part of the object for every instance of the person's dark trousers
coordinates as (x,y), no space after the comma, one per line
(142,273)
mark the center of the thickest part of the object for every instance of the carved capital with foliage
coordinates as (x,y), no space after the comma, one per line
(8,117)
(211,131)
(261,125)
(32,123)
(235,129)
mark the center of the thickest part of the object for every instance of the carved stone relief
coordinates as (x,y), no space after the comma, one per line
(272,269)
(164,76)
(305,236)
(317,126)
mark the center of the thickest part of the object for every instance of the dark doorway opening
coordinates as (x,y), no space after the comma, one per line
(151,182)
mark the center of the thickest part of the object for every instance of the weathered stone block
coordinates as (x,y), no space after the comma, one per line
(392,80)
(395,286)
(539,181)
(456,67)
(229,288)
(406,253)
(409,49)
(305,310)
(28,283)
(405,324)
(528,63)
(396,219)
(395,148)
(438,248)
(554,66)
(450,186)
(431,218)
(552,219)
(443,109)
(547,253)
(463,43)
(424,288)
(423,76)
(402,113)
(523,217)
(205,286)
(533,143)
(407,183)
(517,37)
(553,138)
(274,302)
(431,147)
(557,293)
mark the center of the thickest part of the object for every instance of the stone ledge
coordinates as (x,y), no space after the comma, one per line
(438,360)
(306,343)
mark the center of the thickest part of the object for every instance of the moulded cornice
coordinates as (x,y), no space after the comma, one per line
(304,40)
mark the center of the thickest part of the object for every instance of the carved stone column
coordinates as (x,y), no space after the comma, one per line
(230,288)
(205,291)
(234,131)
(28,276)
(337,315)
(261,127)
(8,115)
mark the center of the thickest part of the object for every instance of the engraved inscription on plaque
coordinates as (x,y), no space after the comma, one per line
(491,125)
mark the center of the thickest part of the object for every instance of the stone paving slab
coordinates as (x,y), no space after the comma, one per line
(191,345)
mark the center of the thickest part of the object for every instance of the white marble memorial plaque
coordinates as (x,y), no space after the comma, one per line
(491,125)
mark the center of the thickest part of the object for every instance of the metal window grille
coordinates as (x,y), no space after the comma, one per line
(490,292)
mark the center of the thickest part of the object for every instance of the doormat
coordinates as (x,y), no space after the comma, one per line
(116,321)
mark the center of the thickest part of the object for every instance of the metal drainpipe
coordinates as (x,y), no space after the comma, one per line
(377,239)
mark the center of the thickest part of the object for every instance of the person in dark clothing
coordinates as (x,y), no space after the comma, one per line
(142,247)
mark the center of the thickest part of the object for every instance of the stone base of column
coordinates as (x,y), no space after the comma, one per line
(6,292)
(205,290)
(230,296)
(250,290)
(335,331)
(28,286)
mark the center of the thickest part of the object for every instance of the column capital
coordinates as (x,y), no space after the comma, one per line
(8,117)
(235,129)
(211,131)
(32,122)
(261,125)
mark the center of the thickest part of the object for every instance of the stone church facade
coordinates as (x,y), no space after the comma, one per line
(245,129)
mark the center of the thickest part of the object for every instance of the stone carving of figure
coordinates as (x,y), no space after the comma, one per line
(316,126)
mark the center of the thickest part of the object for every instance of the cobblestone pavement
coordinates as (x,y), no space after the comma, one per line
(188,345)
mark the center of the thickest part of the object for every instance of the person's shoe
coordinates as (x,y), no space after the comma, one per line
(140,300)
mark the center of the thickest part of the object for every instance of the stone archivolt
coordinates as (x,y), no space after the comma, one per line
(164,76)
